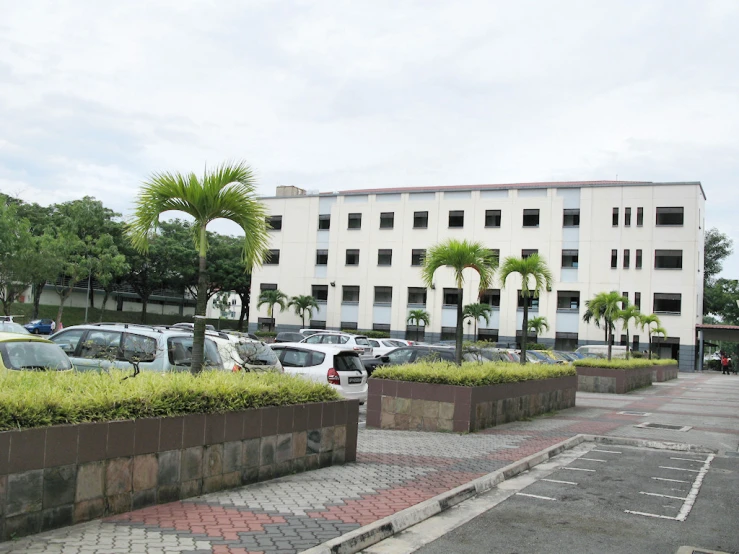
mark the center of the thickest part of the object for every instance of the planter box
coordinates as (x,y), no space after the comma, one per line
(662,373)
(61,475)
(616,381)
(431,407)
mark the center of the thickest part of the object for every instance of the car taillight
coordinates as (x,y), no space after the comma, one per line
(236,368)
(333,377)
(358,348)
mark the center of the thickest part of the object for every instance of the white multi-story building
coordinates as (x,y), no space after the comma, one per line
(359,254)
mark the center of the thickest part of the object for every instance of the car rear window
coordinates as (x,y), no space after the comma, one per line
(139,348)
(256,353)
(35,356)
(347,361)
(180,352)
(362,341)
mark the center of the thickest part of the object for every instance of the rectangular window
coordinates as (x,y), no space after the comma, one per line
(670,216)
(570,258)
(627,258)
(668,259)
(274,222)
(272,257)
(491,297)
(531,218)
(626,296)
(387,220)
(321,257)
(383,295)
(448,333)
(533,302)
(627,217)
(355,221)
(666,303)
(638,262)
(615,217)
(492,218)
(568,300)
(352,257)
(456,218)
(384,257)
(349,293)
(635,343)
(417,295)
(565,341)
(267,286)
(317,324)
(571,218)
(639,217)
(420,220)
(417,256)
(381,327)
(614,259)
(320,293)
(450,296)
(528,252)
(349,325)
(489,335)
(324,222)
(637,300)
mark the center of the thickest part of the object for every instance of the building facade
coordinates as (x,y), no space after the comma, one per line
(359,253)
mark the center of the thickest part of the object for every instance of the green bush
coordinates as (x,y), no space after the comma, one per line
(538,346)
(369,334)
(37,399)
(637,355)
(621,363)
(265,333)
(471,374)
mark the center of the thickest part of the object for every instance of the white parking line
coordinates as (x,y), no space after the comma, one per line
(557,481)
(607,451)
(693,494)
(593,460)
(670,480)
(578,469)
(663,495)
(650,515)
(689,460)
(680,469)
(535,496)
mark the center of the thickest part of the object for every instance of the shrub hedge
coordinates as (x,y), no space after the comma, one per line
(471,374)
(621,363)
(37,399)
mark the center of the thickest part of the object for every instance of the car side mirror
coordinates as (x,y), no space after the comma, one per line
(385,359)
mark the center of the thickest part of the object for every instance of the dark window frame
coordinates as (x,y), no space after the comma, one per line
(661,301)
(417,291)
(384,254)
(627,258)
(666,212)
(565,300)
(348,290)
(638,260)
(351,252)
(491,297)
(526,252)
(640,217)
(386,217)
(418,255)
(354,221)
(614,258)
(571,217)
(270,220)
(321,253)
(456,219)
(614,218)
(317,293)
(574,259)
(272,257)
(531,218)
(668,259)
(324,222)
(419,217)
(492,217)
(384,289)
(627,217)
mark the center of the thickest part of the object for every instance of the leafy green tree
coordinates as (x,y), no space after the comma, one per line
(229,275)
(148,272)
(477,311)
(228,192)
(108,264)
(628,313)
(596,318)
(717,247)
(645,322)
(303,304)
(538,324)
(416,317)
(459,255)
(720,298)
(609,305)
(530,268)
(17,256)
(273,297)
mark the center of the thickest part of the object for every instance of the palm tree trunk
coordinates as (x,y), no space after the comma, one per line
(524,330)
(198,340)
(609,339)
(649,334)
(105,301)
(460,326)
(627,343)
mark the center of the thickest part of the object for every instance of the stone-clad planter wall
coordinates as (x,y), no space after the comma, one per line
(431,407)
(616,381)
(56,476)
(662,373)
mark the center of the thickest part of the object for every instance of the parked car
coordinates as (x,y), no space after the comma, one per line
(383,346)
(338,365)
(10,327)
(415,353)
(359,343)
(191,326)
(309,332)
(240,354)
(601,351)
(289,337)
(39,326)
(102,346)
(31,353)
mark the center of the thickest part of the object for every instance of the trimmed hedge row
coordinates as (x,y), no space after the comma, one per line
(37,399)
(622,364)
(471,374)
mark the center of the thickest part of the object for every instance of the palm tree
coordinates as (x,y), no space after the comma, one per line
(538,324)
(531,267)
(657,331)
(227,192)
(628,313)
(460,255)
(273,297)
(596,318)
(645,322)
(416,317)
(608,304)
(303,304)
(477,311)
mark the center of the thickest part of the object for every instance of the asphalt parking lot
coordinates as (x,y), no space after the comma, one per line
(611,499)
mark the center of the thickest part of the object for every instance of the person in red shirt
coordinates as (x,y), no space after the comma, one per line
(724,364)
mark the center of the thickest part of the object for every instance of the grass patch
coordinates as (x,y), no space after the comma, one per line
(471,374)
(37,399)
(622,364)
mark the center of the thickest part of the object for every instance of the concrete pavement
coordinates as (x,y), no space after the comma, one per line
(394,471)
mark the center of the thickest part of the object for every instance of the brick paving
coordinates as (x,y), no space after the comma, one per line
(394,470)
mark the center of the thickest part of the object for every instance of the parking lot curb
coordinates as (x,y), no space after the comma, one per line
(643,443)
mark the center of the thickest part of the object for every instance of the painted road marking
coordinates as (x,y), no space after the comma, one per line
(670,480)
(680,469)
(689,460)
(649,515)
(606,451)
(663,495)
(593,460)
(557,481)
(578,469)
(693,494)
(535,496)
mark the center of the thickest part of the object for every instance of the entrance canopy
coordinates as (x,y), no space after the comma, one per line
(726,333)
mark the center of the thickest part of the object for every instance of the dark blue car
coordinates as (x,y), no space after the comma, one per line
(39,326)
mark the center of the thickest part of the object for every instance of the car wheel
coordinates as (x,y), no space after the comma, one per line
(35,331)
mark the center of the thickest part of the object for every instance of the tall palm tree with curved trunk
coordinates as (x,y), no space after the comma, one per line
(303,304)
(538,324)
(627,314)
(226,192)
(645,322)
(416,317)
(459,255)
(596,318)
(608,304)
(273,297)
(531,267)
(477,311)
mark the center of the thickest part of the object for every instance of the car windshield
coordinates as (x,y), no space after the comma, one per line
(180,352)
(256,353)
(36,356)
(10,327)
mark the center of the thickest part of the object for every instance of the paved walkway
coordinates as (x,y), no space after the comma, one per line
(394,470)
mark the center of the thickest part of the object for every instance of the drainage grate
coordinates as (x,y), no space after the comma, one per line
(643,414)
(663,426)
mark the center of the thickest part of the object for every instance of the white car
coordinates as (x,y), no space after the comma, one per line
(238,353)
(336,365)
(359,343)
(380,347)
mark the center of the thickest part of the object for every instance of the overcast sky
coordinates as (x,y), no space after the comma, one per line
(336,95)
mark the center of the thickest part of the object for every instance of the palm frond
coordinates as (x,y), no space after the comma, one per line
(459,255)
